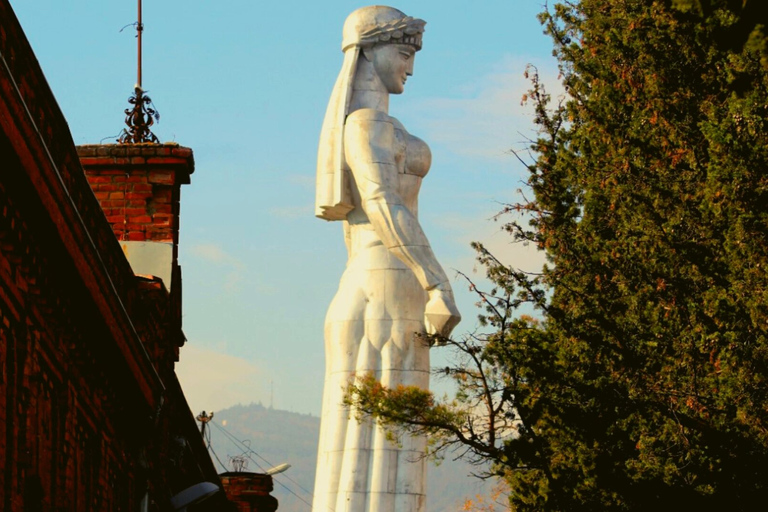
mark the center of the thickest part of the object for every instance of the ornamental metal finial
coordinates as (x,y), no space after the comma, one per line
(142,115)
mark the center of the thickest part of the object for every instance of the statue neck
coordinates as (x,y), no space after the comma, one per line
(368,91)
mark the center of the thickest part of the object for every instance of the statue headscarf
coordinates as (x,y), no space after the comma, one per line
(364,28)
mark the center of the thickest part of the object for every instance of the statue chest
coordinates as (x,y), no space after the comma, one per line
(413,159)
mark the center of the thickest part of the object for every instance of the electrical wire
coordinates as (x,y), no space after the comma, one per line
(210,447)
(234,440)
(249,450)
(248,447)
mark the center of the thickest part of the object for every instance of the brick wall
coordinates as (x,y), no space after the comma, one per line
(91,415)
(138,187)
(72,424)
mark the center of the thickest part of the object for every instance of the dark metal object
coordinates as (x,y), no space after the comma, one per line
(142,115)
(139,120)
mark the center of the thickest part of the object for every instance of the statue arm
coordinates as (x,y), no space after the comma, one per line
(369,142)
(369,148)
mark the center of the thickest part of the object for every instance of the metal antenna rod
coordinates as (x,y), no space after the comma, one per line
(139,30)
(139,118)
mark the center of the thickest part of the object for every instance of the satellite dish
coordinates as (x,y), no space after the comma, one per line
(193,495)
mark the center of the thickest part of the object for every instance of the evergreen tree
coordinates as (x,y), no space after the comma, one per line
(643,385)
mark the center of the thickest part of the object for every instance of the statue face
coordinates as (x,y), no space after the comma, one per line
(394,64)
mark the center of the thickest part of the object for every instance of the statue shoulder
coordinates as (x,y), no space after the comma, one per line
(368,128)
(369,136)
(370,115)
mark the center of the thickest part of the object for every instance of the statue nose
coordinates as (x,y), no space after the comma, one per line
(409,66)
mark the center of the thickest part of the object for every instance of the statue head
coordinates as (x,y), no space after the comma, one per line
(386,38)
(378,24)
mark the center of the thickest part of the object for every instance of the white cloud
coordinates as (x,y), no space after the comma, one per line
(479,126)
(498,242)
(231,271)
(489,119)
(213,381)
(215,254)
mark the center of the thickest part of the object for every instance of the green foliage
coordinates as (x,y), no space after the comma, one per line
(644,384)
(748,30)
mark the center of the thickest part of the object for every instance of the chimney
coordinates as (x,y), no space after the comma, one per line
(139,187)
(249,491)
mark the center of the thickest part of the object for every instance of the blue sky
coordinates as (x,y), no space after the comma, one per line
(245,84)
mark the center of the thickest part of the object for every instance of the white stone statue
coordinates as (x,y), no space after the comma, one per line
(368,175)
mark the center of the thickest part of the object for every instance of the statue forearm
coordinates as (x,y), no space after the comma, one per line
(401,234)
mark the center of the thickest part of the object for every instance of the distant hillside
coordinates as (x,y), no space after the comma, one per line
(282,436)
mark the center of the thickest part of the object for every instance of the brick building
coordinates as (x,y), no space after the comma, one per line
(92,416)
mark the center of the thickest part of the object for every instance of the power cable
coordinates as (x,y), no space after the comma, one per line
(210,447)
(249,450)
(234,440)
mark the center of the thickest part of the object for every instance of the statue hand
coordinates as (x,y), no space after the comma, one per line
(441,314)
